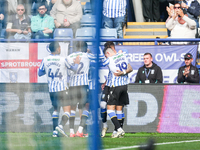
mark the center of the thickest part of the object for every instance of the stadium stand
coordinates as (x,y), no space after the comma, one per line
(108,34)
(87,9)
(86,33)
(63,33)
(88,20)
(137,30)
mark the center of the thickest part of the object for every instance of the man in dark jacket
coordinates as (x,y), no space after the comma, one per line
(188,73)
(192,7)
(150,72)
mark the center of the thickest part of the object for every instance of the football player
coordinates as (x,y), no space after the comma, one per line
(117,81)
(55,67)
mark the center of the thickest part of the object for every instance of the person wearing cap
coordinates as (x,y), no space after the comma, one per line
(180,25)
(188,73)
(42,24)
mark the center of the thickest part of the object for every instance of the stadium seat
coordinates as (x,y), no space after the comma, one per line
(3,34)
(86,33)
(63,33)
(88,21)
(108,34)
(87,8)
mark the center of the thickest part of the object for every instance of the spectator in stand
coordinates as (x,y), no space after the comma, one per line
(151,11)
(18,26)
(193,9)
(183,26)
(48,3)
(149,72)
(188,73)
(12,5)
(67,14)
(42,25)
(114,12)
(3,16)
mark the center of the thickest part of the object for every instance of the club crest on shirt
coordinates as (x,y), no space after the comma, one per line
(13,77)
(152,71)
(192,72)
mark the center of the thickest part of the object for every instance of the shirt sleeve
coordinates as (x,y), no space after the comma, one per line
(67,63)
(41,70)
(105,63)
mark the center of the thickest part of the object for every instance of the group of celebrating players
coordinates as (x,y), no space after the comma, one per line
(68,82)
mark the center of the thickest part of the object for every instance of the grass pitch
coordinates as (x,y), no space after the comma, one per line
(45,141)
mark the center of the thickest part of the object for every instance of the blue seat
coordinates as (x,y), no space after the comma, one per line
(106,33)
(86,33)
(87,8)
(63,33)
(88,20)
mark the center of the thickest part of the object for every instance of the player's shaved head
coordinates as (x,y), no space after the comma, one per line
(109,52)
(53,46)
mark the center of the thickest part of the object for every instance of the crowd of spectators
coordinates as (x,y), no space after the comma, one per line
(37,19)
(182,19)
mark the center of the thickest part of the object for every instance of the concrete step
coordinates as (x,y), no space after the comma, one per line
(144,36)
(145,25)
(138,43)
(162,31)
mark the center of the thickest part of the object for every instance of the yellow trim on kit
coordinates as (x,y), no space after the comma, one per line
(113,117)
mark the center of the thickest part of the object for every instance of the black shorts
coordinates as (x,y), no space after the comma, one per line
(118,96)
(105,94)
(79,94)
(60,99)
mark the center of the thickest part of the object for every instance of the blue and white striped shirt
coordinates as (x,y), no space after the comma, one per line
(80,77)
(55,68)
(116,62)
(114,8)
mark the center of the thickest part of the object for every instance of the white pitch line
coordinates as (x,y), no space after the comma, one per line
(137,146)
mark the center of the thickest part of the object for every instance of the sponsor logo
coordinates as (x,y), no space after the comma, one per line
(12,50)
(13,77)
(19,64)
